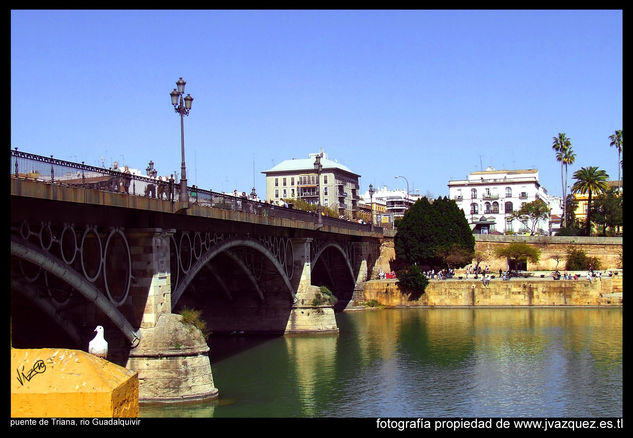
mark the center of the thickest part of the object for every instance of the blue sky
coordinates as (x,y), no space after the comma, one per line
(431,95)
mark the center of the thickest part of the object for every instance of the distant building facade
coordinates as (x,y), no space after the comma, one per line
(488,199)
(297,179)
(389,205)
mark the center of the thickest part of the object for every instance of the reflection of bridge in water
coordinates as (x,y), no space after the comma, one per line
(92,246)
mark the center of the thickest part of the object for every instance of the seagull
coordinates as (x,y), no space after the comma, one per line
(98,346)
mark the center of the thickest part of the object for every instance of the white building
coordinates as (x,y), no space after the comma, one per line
(489,197)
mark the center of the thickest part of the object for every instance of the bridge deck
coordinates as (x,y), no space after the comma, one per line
(237,210)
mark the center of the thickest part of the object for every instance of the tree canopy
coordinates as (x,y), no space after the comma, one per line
(434,235)
(518,252)
(533,212)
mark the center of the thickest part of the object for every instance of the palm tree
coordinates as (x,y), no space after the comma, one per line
(590,180)
(616,140)
(564,155)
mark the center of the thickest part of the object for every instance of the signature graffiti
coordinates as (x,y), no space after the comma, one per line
(38,368)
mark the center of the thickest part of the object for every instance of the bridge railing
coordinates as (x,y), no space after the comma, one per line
(55,171)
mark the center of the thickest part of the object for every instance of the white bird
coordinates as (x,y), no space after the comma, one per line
(98,346)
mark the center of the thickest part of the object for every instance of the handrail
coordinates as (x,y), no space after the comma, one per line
(55,171)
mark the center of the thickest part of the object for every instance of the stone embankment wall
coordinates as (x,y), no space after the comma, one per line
(553,251)
(515,292)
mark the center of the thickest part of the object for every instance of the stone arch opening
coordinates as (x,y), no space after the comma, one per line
(239,287)
(332,269)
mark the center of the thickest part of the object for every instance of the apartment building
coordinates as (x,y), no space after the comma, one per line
(489,197)
(297,178)
(389,205)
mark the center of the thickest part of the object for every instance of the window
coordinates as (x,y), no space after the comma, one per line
(474,208)
(473,193)
(324,179)
(276,182)
(508,192)
(509,224)
(276,193)
(325,190)
(284,181)
(285,193)
(487,208)
(508,207)
(292,180)
(495,207)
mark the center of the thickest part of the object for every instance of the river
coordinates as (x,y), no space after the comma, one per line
(422,362)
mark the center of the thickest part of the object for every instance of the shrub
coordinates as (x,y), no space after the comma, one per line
(577,260)
(324,297)
(413,281)
(194,318)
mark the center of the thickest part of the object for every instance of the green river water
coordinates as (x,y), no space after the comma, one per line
(421,362)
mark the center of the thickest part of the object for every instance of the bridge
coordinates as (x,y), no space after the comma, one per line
(93,246)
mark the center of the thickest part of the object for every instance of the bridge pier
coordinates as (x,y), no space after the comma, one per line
(172,358)
(306,315)
(363,253)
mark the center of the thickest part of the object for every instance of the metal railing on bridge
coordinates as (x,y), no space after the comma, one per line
(55,171)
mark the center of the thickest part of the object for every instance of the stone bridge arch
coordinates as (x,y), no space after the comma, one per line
(225,246)
(335,245)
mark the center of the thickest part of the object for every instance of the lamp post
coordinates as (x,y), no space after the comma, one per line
(406,198)
(182,106)
(371,205)
(407,184)
(318,166)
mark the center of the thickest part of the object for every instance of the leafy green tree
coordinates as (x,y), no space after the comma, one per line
(616,141)
(517,252)
(430,232)
(300,204)
(533,211)
(606,211)
(565,156)
(590,180)
(571,228)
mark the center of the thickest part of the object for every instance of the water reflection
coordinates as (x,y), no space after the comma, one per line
(543,362)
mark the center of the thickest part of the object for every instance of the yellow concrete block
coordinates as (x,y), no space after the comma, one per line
(58,382)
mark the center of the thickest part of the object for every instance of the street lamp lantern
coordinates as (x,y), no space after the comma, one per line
(181,86)
(188,100)
(182,106)
(174,97)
